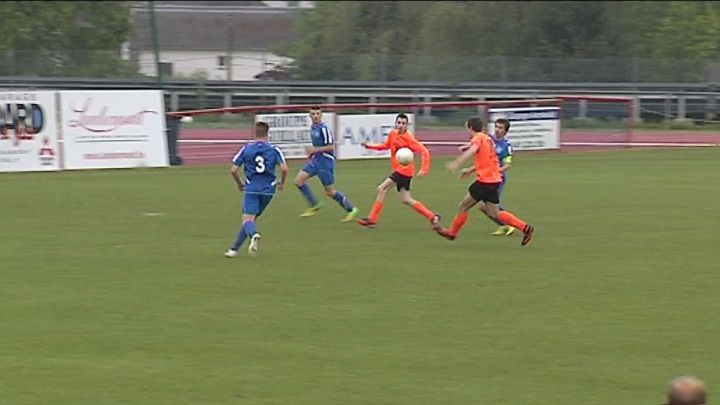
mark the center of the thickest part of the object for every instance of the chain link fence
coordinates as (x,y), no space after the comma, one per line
(367,67)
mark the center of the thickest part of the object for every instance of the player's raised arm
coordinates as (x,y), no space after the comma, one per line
(380,146)
(455,164)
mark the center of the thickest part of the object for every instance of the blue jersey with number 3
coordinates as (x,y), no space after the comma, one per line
(259,160)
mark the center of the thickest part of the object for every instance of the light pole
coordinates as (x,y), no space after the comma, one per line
(156,43)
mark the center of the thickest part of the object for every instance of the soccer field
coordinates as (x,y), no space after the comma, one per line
(114,288)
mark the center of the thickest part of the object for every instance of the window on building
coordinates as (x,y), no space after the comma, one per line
(166,69)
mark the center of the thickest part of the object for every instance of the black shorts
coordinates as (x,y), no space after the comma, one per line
(401,181)
(487,192)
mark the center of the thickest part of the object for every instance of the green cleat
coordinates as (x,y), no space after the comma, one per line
(351,215)
(310,211)
(501,230)
(510,230)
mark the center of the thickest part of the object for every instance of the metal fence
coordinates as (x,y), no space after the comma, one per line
(65,63)
(514,69)
(375,67)
(654,101)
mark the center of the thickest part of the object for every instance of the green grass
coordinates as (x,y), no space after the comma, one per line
(617,294)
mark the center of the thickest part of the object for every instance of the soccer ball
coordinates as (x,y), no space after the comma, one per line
(404,156)
(186,119)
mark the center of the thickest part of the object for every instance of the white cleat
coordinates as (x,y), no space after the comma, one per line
(230,253)
(254,241)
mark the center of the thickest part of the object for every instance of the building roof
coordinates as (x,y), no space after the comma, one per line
(248,25)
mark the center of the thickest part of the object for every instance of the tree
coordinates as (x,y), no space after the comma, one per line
(467,40)
(77,38)
(353,39)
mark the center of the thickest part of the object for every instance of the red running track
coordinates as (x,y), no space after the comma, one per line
(197,153)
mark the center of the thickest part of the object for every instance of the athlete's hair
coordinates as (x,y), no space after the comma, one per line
(505,123)
(261,129)
(402,115)
(475,123)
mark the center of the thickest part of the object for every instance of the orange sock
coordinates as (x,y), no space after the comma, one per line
(458,223)
(375,212)
(419,207)
(512,220)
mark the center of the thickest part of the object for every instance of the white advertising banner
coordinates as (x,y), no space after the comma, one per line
(355,130)
(113,129)
(531,128)
(28,132)
(291,132)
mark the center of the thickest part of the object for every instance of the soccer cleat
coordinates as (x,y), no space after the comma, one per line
(527,235)
(435,221)
(445,233)
(310,211)
(230,253)
(366,222)
(510,230)
(501,230)
(350,215)
(253,247)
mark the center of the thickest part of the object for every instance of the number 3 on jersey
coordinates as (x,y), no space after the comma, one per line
(259,164)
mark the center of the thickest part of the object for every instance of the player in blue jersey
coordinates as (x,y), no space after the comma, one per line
(504,152)
(259,159)
(321,163)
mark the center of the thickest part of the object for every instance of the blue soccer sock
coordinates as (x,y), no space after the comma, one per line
(343,201)
(308,194)
(249,228)
(242,235)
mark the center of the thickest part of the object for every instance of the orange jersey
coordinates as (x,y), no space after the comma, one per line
(487,167)
(396,141)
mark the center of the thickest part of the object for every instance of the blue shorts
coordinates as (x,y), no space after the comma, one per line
(500,191)
(502,186)
(326,174)
(255,204)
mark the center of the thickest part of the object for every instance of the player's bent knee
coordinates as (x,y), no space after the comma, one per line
(301,178)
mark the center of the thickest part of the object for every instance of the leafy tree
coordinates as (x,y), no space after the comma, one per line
(62,38)
(351,39)
(466,40)
(688,30)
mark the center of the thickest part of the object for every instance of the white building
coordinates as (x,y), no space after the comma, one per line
(217,40)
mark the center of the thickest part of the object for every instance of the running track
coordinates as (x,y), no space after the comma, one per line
(196,146)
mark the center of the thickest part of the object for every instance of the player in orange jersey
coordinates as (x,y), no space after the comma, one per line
(401,176)
(485,188)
